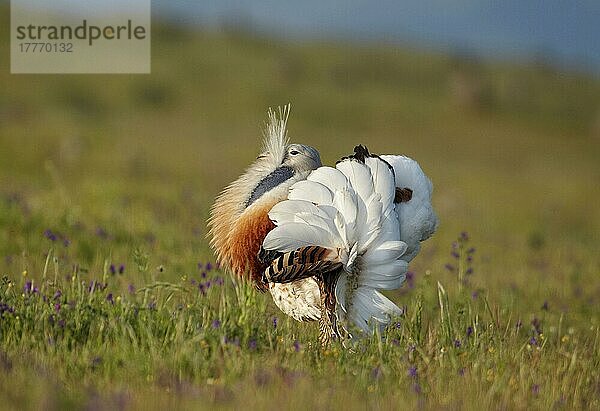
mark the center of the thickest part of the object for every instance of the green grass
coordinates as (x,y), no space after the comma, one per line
(124,169)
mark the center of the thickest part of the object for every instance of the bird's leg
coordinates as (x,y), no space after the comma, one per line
(328,324)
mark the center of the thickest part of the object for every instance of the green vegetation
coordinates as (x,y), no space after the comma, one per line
(106,182)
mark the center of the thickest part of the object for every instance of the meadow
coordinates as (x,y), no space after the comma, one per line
(110,297)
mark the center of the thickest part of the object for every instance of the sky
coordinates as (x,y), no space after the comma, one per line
(566,32)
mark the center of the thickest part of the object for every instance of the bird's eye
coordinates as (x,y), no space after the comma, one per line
(294,152)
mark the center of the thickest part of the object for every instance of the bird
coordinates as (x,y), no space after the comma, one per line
(324,240)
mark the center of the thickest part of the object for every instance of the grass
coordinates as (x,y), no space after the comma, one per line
(99,172)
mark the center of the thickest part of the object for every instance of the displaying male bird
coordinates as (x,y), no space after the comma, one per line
(324,239)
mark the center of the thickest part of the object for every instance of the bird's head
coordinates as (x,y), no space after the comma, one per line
(278,166)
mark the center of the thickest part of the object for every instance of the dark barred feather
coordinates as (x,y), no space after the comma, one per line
(299,264)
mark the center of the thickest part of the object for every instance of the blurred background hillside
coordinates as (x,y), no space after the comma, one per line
(504,116)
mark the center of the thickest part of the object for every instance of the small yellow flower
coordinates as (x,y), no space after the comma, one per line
(24,273)
(565,338)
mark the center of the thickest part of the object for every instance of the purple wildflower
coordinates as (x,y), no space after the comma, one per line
(121,269)
(545,306)
(469,271)
(296,346)
(112,269)
(216,324)
(449,267)
(412,372)
(455,255)
(533,341)
(57,307)
(469,331)
(131,289)
(464,236)
(252,344)
(200,265)
(471,250)
(110,299)
(457,343)
(152,305)
(28,286)
(475,294)
(50,235)
(57,295)
(535,389)
(274,322)
(5,308)
(209,266)
(203,275)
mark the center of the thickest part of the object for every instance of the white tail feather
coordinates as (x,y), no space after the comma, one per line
(368,308)
(417,219)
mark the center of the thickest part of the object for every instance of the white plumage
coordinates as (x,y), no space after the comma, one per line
(417,219)
(299,299)
(350,210)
